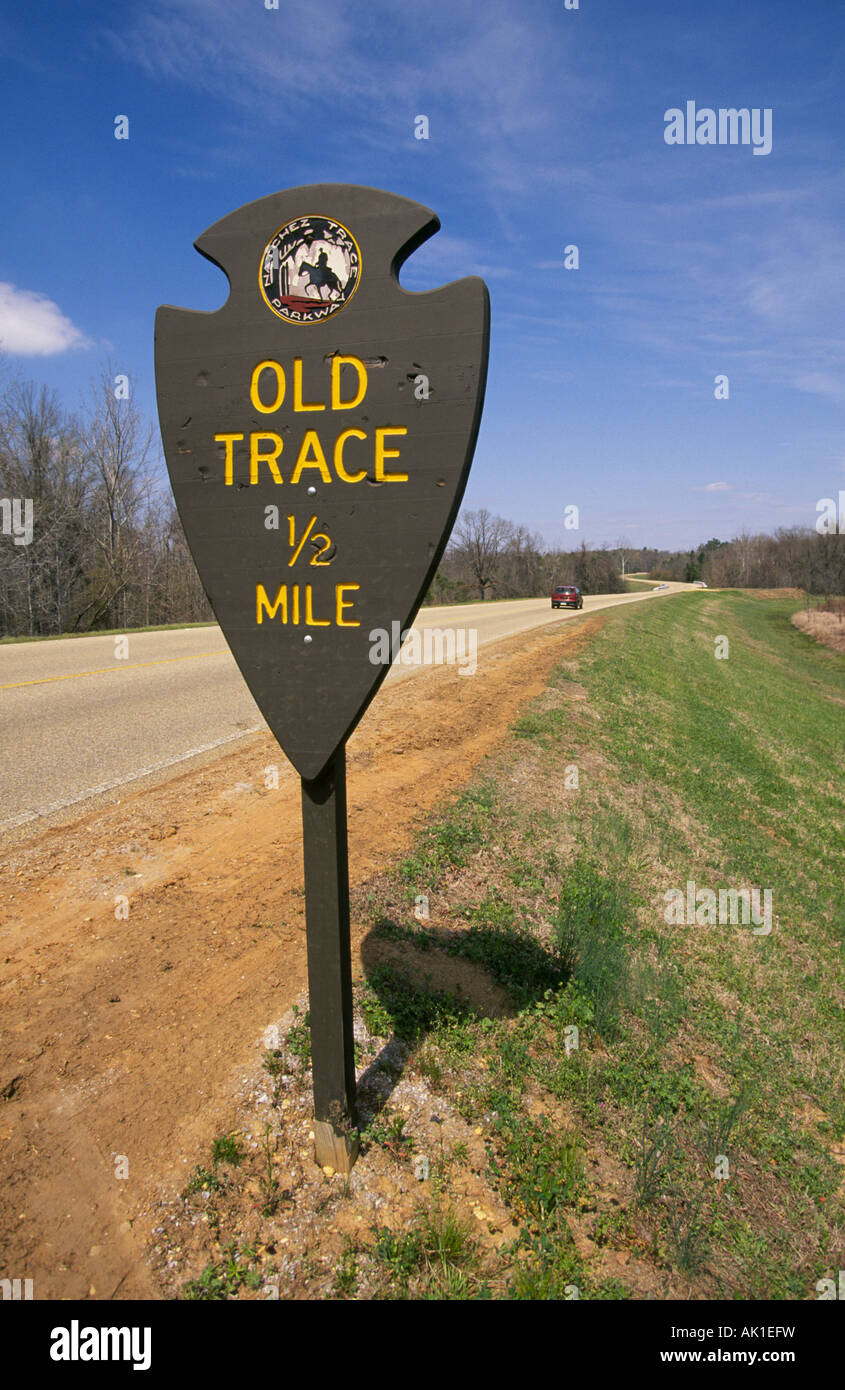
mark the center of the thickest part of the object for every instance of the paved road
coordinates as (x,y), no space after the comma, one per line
(77,721)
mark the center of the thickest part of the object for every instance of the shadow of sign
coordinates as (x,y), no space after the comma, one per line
(423,984)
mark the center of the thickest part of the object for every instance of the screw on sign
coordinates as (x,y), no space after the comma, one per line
(317,491)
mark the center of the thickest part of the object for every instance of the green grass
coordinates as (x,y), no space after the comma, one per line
(394,1003)
(591,924)
(704,1060)
(538,1165)
(433,1258)
(224,1278)
(748,745)
(226,1149)
(203,1180)
(298,1039)
(449,842)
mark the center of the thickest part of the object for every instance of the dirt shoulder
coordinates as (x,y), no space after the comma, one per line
(146,948)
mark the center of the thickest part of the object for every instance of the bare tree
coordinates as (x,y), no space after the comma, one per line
(42,462)
(522,564)
(482,538)
(623,549)
(119,444)
(104,550)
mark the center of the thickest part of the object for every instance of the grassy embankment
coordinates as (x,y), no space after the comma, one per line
(694,1041)
(687,1140)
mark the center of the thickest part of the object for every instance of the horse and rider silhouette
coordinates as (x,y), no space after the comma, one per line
(320,274)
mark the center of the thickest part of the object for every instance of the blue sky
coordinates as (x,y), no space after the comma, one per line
(546,129)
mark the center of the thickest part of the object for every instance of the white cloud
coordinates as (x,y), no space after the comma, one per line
(31,325)
(821,383)
(717,487)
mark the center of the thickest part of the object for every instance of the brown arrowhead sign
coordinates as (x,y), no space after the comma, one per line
(318,430)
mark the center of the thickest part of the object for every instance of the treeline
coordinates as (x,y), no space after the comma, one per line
(489,557)
(798,558)
(101,545)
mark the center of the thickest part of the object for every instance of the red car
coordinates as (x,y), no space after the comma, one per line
(567,596)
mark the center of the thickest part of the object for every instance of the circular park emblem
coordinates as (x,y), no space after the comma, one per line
(309,270)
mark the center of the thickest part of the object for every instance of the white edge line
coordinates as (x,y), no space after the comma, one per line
(124,781)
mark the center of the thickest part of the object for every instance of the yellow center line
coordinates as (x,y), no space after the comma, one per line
(108,670)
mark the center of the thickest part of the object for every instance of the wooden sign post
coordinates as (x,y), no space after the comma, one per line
(318,430)
(329,963)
